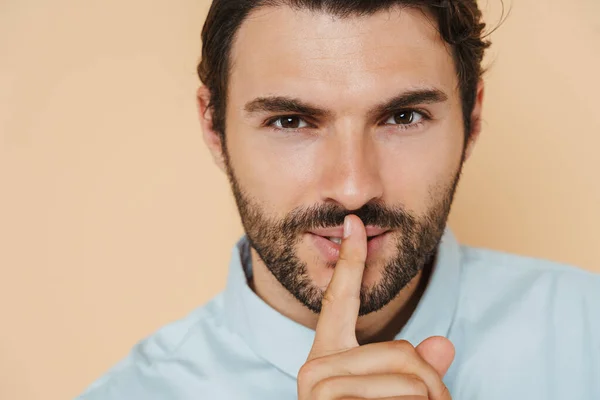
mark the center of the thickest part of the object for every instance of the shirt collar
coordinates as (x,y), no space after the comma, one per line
(286,344)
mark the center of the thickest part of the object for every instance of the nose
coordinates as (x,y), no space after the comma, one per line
(351,176)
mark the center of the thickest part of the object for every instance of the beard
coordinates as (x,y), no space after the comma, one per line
(275,240)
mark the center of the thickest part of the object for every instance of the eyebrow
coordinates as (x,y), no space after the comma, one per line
(283,104)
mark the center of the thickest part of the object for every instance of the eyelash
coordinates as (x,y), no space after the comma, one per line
(404,127)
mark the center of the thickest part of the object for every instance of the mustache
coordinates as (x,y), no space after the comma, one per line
(333,215)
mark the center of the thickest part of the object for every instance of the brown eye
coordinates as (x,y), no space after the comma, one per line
(404,118)
(290,122)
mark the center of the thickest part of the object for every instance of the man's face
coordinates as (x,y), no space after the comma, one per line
(327,117)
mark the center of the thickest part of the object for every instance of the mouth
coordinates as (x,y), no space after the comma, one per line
(338,240)
(335,234)
(329,244)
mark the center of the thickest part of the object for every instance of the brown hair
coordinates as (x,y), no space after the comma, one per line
(459,24)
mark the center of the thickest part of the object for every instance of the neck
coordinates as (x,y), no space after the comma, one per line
(379,326)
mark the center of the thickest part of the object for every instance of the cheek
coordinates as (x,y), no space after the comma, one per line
(414,170)
(279,174)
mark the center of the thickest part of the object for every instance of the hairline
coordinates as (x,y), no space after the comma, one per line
(465,90)
(274,4)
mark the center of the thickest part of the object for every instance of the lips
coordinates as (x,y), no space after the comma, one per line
(328,241)
(338,240)
(335,234)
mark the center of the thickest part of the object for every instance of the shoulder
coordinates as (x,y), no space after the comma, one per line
(498,280)
(518,313)
(480,265)
(169,362)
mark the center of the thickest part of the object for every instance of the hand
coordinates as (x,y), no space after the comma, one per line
(338,368)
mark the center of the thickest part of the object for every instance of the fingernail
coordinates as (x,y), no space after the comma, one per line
(347,227)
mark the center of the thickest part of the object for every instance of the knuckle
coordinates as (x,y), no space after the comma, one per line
(404,347)
(324,389)
(416,386)
(309,373)
(403,358)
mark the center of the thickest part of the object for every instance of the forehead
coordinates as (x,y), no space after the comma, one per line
(284,51)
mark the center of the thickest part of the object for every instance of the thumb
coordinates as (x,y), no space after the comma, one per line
(438,352)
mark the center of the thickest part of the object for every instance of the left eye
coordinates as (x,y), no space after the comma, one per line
(290,122)
(404,118)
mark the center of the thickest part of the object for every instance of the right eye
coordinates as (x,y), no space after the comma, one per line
(290,122)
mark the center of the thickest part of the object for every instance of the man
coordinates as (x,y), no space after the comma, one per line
(343,127)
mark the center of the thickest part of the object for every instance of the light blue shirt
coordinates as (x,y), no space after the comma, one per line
(523,329)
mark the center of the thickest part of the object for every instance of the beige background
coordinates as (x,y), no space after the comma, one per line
(113,221)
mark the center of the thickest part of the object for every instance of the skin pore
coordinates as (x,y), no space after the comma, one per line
(327,117)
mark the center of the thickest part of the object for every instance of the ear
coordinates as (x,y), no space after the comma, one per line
(475,120)
(211,137)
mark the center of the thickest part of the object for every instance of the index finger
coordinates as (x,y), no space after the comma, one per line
(336,328)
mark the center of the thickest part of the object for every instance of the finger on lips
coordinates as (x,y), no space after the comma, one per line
(338,368)
(336,328)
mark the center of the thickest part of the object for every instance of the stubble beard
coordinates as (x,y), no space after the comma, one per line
(275,241)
